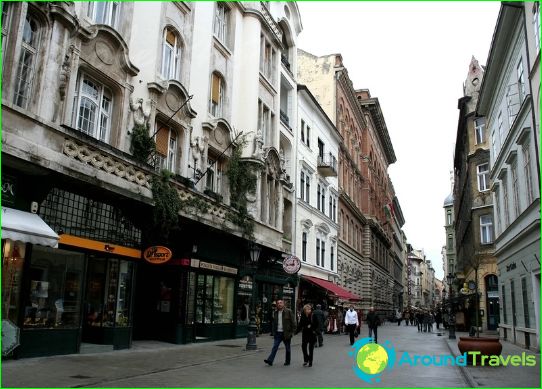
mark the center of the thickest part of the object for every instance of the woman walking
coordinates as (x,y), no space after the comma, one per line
(307,326)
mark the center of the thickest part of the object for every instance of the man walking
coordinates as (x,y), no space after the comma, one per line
(351,322)
(373,322)
(284,325)
(319,318)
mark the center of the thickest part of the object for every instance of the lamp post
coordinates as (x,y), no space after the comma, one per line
(451,314)
(254,251)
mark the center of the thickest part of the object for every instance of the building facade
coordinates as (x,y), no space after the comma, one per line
(81,81)
(507,103)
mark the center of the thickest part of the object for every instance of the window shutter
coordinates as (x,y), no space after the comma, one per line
(215,85)
(170,37)
(162,139)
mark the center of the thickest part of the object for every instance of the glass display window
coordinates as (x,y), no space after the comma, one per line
(12,271)
(214,299)
(109,289)
(54,296)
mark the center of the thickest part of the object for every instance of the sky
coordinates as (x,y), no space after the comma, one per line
(413,56)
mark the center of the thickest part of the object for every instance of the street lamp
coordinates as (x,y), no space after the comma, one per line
(451,314)
(254,251)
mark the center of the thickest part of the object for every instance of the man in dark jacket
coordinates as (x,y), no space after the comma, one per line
(373,322)
(319,318)
(284,325)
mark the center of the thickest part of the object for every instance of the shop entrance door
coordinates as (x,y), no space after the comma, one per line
(156,312)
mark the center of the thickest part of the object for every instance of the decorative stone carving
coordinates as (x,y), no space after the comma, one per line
(104,52)
(198,145)
(141,110)
(104,162)
(258,145)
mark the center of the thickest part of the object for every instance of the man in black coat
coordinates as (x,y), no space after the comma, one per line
(319,318)
(373,322)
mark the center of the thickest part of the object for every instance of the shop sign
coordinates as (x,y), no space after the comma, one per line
(215,267)
(245,283)
(291,264)
(157,254)
(492,294)
(287,289)
(9,184)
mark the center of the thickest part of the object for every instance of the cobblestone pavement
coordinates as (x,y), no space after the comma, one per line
(227,364)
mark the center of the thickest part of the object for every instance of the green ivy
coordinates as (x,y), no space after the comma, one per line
(243,180)
(167,205)
(142,144)
(196,203)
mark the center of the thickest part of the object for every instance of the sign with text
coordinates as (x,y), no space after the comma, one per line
(157,255)
(213,266)
(291,264)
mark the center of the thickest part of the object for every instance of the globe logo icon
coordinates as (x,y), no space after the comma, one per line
(372,359)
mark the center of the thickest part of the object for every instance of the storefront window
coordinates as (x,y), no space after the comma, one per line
(214,299)
(54,298)
(244,294)
(108,292)
(12,271)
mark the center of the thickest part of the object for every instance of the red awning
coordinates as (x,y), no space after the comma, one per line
(336,290)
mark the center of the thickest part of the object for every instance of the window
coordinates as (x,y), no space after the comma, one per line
(513,299)
(515,186)
(450,242)
(323,256)
(536,24)
(449,217)
(497,210)
(304,247)
(505,201)
(527,173)
(479,125)
(318,191)
(171,55)
(104,12)
(216,102)
(521,81)
(308,143)
(525,299)
(483,177)
(265,123)
(267,59)
(6,21)
(214,176)
(486,229)
(95,103)
(166,148)
(317,252)
(221,23)
(331,258)
(307,188)
(500,123)
(504,315)
(302,187)
(321,198)
(302,131)
(330,206)
(320,150)
(493,145)
(27,62)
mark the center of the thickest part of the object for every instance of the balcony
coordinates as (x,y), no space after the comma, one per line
(284,118)
(327,165)
(285,62)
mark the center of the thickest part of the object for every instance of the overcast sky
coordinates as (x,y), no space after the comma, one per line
(413,56)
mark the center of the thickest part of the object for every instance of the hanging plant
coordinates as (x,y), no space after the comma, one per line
(142,144)
(167,205)
(242,179)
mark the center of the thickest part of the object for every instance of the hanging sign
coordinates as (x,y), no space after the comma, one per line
(291,264)
(157,255)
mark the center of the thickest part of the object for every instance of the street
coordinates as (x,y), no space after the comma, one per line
(227,364)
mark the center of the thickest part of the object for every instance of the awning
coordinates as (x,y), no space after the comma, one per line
(336,290)
(27,227)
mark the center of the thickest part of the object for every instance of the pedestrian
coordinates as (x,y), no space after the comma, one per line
(351,322)
(284,327)
(307,326)
(319,317)
(419,319)
(399,317)
(373,322)
(407,317)
(438,318)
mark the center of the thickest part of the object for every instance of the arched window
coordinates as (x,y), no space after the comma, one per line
(104,12)
(171,54)
(27,62)
(94,108)
(166,148)
(216,101)
(221,22)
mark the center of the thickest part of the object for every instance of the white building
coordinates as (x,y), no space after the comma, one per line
(506,100)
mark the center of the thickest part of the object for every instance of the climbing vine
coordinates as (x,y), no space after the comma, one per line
(242,180)
(166,206)
(142,145)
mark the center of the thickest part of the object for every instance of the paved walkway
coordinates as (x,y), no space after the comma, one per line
(227,364)
(499,376)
